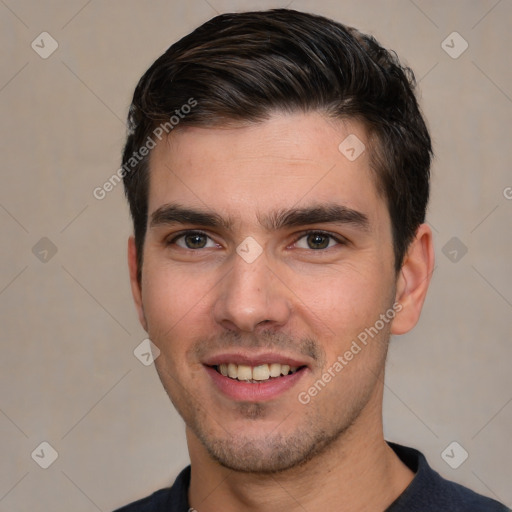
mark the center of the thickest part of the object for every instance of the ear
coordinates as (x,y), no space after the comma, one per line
(413,280)
(135,284)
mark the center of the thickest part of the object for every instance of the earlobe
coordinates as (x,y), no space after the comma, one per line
(134,281)
(413,280)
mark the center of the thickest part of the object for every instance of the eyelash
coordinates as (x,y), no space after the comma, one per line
(337,238)
(183,234)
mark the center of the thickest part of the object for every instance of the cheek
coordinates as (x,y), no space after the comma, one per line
(173,300)
(345,301)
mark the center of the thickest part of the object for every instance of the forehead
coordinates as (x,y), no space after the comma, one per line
(243,172)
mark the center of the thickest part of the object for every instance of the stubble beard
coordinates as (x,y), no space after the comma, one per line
(275,451)
(321,424)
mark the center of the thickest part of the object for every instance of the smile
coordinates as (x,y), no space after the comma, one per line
(253,377)
(261,372)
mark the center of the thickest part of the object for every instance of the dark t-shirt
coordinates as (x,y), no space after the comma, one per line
(428,492)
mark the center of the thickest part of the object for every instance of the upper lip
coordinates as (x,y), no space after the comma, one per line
(253,359)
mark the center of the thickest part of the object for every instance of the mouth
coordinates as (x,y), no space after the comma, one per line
(254,379)
(256,374)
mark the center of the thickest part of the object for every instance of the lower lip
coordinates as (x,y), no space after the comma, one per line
(257,391)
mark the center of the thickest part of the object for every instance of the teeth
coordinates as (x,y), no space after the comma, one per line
(255,373)
(275,370)
(232,370)
(244,372)
(261,372)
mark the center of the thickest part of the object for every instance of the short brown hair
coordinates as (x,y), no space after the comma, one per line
(243,67)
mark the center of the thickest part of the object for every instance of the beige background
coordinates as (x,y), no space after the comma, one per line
(68,375)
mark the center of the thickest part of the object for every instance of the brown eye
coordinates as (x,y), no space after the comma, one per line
(317,240)
(193,240)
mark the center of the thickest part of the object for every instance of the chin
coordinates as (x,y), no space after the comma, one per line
(268,453)
(252,457)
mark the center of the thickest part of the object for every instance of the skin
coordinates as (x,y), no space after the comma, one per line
(295,300)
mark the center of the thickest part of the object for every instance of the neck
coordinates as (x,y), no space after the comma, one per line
(358,472)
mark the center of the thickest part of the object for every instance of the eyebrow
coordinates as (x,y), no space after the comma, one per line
(330,213)
(176,214)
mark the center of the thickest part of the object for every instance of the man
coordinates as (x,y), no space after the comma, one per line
(277,170)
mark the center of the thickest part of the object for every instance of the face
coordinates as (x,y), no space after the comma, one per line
(268,253)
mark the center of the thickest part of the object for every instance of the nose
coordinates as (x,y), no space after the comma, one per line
(251,296)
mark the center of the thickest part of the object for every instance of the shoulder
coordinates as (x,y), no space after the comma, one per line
(151,503)
(429,491)
(462,499)
(170,499)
